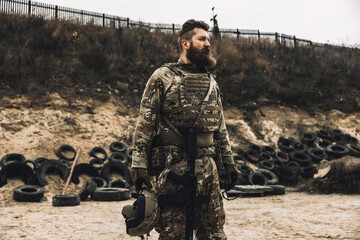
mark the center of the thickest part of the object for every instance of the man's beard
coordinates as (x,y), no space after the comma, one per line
(200,57)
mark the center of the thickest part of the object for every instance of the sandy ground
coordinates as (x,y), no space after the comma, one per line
(295,215)
(37,130)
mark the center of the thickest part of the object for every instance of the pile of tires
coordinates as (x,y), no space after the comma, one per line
(100,169)
(294,159)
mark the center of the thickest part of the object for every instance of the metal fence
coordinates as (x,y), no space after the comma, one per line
(49,11)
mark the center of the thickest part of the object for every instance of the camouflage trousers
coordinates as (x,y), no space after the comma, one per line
(210,218)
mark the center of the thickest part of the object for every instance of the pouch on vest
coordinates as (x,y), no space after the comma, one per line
(156,157)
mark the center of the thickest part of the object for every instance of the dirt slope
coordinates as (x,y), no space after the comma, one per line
(37,129)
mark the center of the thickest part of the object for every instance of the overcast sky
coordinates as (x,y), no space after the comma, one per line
(324,21)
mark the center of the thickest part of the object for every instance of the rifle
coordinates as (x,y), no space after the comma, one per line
(189,134)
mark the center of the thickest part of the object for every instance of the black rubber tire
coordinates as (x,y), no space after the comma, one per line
(303,158)
(84,168)
(336,132)
(65,148)
(65,200)
(299,147)
(308,172)
(324,134)
(256,178)
(269,165)
(119,157)
(308,139)
(270,176)
(100,182)
(28,193)
(278,163)
(48,165)
(276,190)
(317,154)
(338,138)
(118,167)
(294,167)
(12,157)
(88,190)
(269,150)
(282,156)
(285,147)
(256,148)
(98,150)
(96,163)
(17,169)
(118,147)
(40,160)
(129,153)
(323,143)
(244,168)
(336,151)
(111,194)
(354,150)
(118,183)
(34,166)
(287,177)
(252,156)
(243,179)
(264,156)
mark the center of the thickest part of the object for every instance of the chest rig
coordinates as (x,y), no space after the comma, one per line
(195,105)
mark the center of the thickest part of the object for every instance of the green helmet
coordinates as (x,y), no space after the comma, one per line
(141,217)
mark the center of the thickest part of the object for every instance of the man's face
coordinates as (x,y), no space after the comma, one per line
(199,51)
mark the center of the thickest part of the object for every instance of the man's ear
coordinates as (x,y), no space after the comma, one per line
(185,44)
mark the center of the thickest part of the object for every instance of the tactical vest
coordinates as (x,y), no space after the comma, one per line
(191,91)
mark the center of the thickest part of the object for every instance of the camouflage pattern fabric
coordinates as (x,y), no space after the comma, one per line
(185,89)
(210,218)
(172,109)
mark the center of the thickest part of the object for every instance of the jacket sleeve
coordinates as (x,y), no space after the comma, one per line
(145,125)
(221,136)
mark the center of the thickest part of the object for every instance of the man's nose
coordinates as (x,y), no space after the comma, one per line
(207,43)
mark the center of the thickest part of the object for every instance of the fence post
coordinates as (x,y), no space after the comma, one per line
(294,41)
(82,17)
(56,12)
(276,37)
(238,34)
(258,35)
(103,19)
(128,22)
(173,28)
(29,8)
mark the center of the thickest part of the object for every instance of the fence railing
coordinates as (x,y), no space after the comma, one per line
(49,11)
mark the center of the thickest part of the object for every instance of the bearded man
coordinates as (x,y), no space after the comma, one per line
(184,93)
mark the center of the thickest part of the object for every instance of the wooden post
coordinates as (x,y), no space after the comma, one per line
(173,28)
(294,41)
(71,172)
(128,22)
(258,35)
(29,8)
(103,19)
(82,16)
(276,37)
(238,34)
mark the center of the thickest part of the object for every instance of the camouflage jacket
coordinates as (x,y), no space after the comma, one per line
(149,109)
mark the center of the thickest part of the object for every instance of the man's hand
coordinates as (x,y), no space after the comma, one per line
(231,176)
(141,177)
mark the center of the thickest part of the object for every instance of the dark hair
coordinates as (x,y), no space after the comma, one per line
(186,31)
